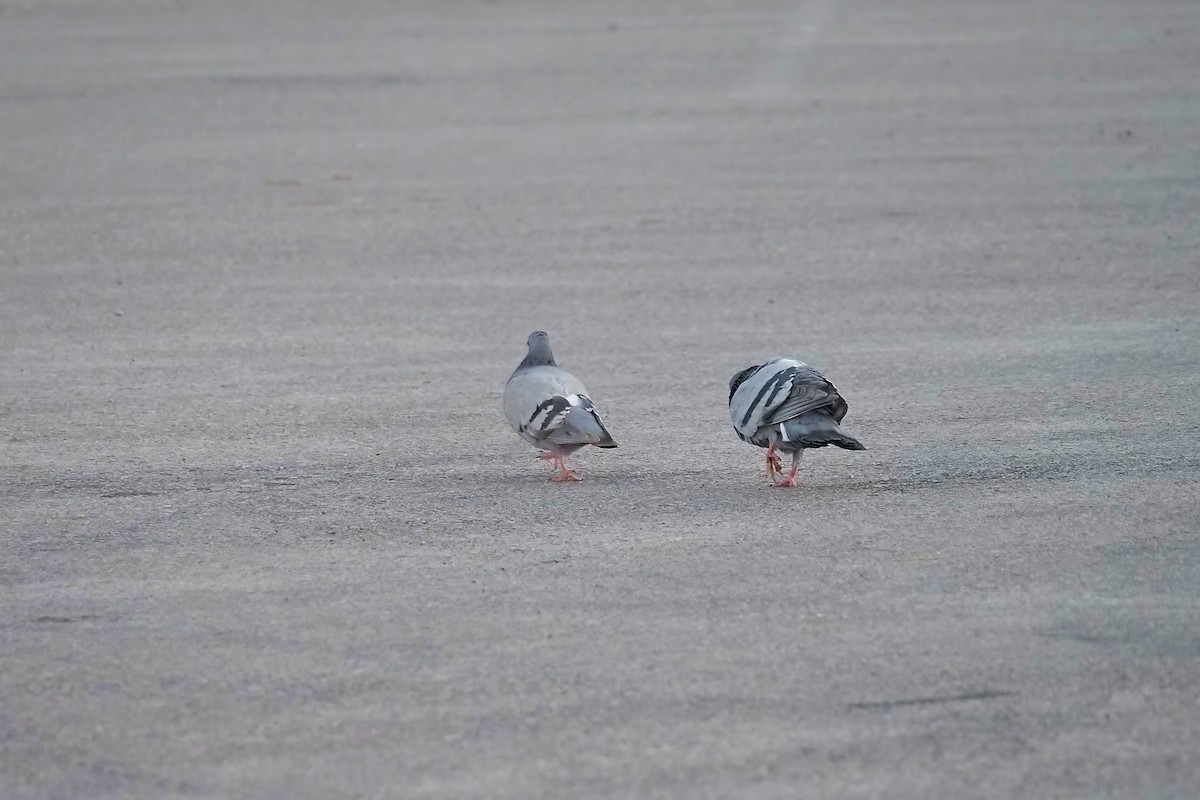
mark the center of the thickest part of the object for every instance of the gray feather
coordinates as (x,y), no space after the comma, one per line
(767,389)
(548,406)
(814,429)
(583,426)
(788,402)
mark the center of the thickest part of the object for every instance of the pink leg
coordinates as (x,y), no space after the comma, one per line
(790,480)
(774,464)
(566,474)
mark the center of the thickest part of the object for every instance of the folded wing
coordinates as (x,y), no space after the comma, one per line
(582,425)
(781,390)
(548,404)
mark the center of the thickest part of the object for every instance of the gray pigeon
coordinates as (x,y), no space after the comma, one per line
(787,405)
(549,408)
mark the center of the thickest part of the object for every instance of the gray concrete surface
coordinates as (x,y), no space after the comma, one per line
(265,267)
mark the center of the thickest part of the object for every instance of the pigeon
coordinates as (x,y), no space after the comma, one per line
(786,405)
(549,408)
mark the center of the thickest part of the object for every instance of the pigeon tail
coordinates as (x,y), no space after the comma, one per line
(816,429)
(607,442)
(583,426)
(848,442)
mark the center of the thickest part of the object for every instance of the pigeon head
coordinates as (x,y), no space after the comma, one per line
(539,350)
(740,378)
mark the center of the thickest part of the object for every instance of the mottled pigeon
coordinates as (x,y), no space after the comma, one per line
(787,405)
(550,409)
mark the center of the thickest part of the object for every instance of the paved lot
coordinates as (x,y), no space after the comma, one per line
(265,267)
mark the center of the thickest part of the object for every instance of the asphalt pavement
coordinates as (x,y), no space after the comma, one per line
(265,268)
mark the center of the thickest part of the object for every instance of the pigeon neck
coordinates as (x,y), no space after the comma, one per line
(539,355)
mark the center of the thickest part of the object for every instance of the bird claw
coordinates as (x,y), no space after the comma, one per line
(774,465)
(787,482)
(566,476)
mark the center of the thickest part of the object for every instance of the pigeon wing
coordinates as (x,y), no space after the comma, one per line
(809,390)
(781,389)
(537,400)
(582,424)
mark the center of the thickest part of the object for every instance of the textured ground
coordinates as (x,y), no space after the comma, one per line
(264,269)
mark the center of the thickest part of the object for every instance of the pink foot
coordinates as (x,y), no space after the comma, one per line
(790,480)
(774,463)
(565,473)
